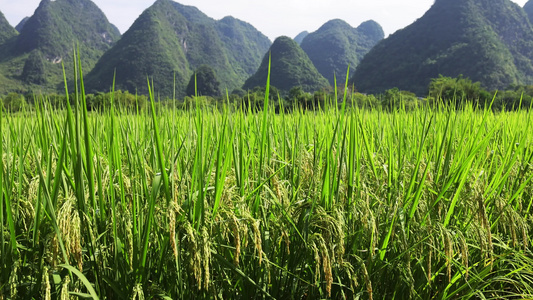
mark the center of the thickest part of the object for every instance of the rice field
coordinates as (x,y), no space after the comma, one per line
(224,203)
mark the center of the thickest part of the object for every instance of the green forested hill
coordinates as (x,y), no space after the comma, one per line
(245,46)
(33,60)
(337,45)
(7,34)
(149,48)
(170,39)
(290,67)
(56,25)
(6,30)
(490,41)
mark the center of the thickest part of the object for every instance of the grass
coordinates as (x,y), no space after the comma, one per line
(434,203)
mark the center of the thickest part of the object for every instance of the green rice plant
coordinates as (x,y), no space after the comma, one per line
(222,202)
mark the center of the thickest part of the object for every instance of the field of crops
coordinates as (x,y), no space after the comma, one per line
(224,203)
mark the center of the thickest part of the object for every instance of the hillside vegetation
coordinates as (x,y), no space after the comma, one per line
(290,67)
(48,38)
(490,41)
(337,45)
(169,41)
(6,30)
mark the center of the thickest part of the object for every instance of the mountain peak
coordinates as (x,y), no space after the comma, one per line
(170,40)
(48,38)
(336,24)
(57,25)
(301,36)
(337,45)
(6,30)
(21,24)
(485,40)
(290,67)
(371,29)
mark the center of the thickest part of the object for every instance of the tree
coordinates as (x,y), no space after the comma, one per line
(395,98)
(206,83)
(457,90)
(298,95)
(14,102)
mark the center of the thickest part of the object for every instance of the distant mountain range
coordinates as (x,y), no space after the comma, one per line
(166,44)
(169,41)
(490,41)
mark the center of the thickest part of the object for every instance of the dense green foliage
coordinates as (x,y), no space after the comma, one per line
(394,99)
(6,30)
(49,37)
(490,41)
(290,67)
(7,34)
(336,46)
(122,101)
(204,82)
(457,91)
(34,69)
(515,97)
(13,102)
(245,47)
(301,36)
(170,41)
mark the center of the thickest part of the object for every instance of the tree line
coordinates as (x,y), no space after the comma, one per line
(204,89)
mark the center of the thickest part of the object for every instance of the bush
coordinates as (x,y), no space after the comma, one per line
(457,90)
(14,102)
(394,99)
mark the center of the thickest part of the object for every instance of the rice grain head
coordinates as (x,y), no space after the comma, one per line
(46,284)
(206,262)
(172,229)
(138,293)
(237,236)
(448,251)
(13,279)
(368,282)
(257,238)
(64,289)
(70,229)
(195,260)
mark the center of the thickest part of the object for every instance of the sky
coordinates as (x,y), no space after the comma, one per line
(273,17)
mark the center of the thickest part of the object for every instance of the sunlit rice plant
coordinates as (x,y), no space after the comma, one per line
(222,203)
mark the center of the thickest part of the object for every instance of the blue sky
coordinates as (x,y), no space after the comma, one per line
(273,17)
